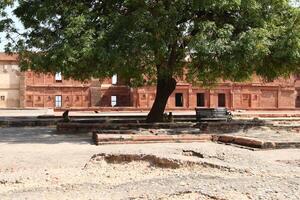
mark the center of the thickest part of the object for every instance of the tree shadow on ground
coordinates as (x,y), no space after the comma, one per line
(42,135)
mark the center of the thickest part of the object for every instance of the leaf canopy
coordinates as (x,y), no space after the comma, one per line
(230,39)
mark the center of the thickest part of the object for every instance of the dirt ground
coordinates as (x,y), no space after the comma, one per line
(36,163)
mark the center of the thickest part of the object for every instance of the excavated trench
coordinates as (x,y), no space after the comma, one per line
(151,159)
(161,162)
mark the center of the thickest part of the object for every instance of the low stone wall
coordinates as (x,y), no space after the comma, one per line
(28,123)
(133,133)
(203,127)
(90,127)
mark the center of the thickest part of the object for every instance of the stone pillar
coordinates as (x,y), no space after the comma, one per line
(22,92)
(211,98)
(232,97)
(189,96)
(278,96)
(95,96)
(134,97)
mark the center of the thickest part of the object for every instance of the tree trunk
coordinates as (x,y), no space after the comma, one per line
(164,88)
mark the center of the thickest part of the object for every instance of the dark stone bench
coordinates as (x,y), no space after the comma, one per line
(212,114)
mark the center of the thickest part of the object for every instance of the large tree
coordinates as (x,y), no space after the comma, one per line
(159,39)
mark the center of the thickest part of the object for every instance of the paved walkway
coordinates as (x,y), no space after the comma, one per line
(238,113)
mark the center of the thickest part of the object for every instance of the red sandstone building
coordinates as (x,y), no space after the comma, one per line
(46,90)
(53,91)
(280,94)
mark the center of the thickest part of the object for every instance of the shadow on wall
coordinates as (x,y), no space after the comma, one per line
(116,96)
(298,99)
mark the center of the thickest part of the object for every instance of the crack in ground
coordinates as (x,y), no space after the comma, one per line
(178,194)
(200,155)
(192,153)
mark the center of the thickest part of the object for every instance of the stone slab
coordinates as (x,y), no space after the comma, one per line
(133,138)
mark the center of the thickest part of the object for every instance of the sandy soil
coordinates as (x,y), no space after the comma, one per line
(35,163)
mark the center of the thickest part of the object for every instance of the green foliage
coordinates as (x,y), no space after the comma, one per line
(146,39)
(5,21)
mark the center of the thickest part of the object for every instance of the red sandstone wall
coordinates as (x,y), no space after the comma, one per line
(41,90)
(237,97)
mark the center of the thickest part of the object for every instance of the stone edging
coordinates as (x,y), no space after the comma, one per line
(101,139)
(254,143)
